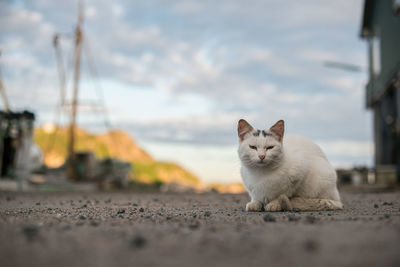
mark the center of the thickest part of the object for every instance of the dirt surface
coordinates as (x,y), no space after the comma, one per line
(137,229)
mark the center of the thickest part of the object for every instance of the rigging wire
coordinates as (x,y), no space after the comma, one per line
(100,94)
(61,107)
(62,85)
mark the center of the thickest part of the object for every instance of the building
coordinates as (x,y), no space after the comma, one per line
(381,29)
(16,134)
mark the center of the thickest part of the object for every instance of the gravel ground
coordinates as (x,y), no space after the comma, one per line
(141,229)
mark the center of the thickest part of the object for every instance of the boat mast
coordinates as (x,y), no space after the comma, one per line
(60,67)
(3,94)
(77,55)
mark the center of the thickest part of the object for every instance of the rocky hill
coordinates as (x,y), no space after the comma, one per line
(118,144)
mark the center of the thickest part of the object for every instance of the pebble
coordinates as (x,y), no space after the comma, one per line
(376,206)
(311,219)
(310,245)
(207,213)
(121,211)
(37,203)
(387,203)
(194,225)
(269,218)
(30,231)
(82,217)
(66,227)
(94,223)
(293,218)
(296,210)
(137,241)
(141,209)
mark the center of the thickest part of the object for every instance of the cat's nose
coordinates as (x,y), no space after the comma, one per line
(261,157)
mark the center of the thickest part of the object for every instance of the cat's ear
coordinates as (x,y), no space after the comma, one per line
(243,128)
(278,128)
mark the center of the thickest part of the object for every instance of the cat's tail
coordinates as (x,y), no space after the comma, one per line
(309,204)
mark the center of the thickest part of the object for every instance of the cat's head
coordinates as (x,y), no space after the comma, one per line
(260,148)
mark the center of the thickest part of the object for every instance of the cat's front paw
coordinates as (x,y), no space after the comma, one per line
(253,206)
(274,205)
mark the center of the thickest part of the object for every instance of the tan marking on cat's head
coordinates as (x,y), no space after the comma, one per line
(278,129)
(244,128)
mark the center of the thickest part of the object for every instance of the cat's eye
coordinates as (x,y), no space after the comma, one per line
(253,147)
(269,147)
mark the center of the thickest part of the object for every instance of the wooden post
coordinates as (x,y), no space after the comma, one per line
(78,49)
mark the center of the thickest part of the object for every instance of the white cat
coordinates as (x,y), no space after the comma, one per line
(285,173)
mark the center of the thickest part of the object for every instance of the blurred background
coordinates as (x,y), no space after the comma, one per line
(148,93)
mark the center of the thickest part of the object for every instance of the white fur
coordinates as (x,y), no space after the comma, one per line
(297,167)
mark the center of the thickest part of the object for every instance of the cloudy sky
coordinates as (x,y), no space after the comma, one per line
(177,75)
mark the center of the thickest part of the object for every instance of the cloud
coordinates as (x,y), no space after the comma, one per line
(199,129)
(301,13)
(262,61)
(348,148)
